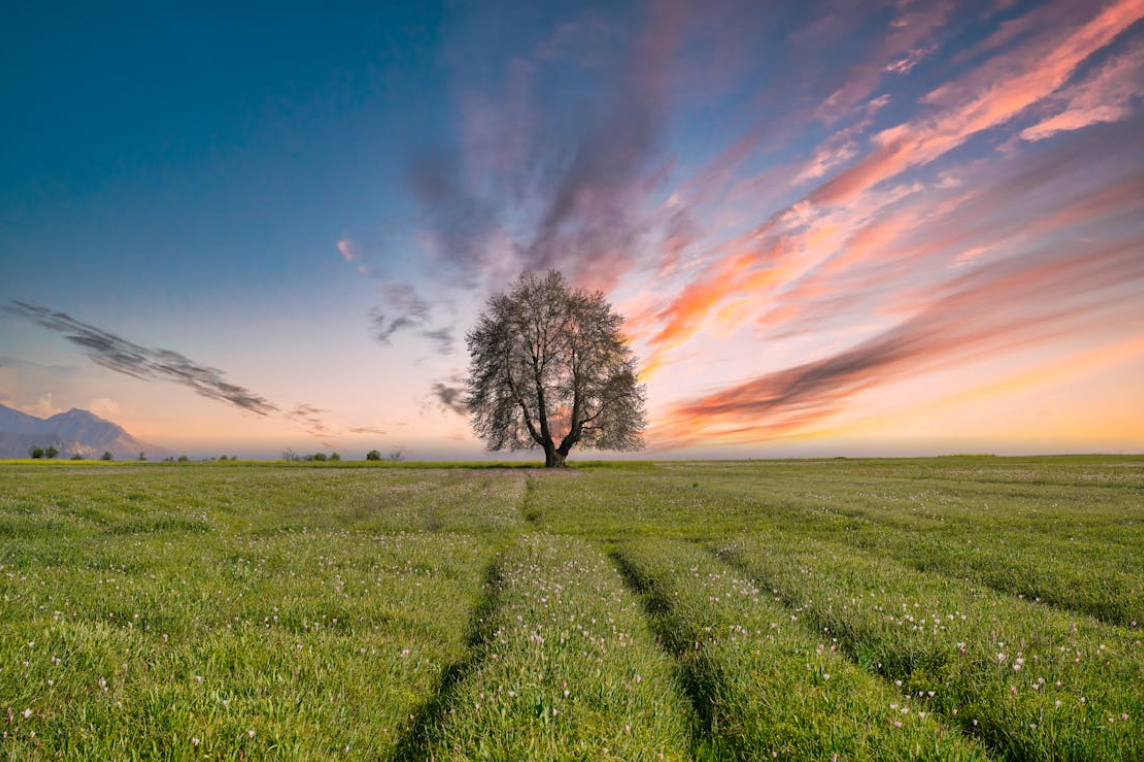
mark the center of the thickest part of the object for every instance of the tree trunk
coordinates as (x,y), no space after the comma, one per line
(553,458)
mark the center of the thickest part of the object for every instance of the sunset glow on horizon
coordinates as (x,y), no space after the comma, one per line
(908,227)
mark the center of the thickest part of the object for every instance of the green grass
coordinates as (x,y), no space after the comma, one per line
(765,683)
(378,611)
(1032,681)
(566,669)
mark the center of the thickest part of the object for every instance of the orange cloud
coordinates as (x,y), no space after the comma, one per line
(1105,96)
(990,103)
(1039,297)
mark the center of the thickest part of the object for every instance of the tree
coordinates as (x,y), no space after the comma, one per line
(51,452)
(35,452)
(106,456)
(373,455)
(550,368)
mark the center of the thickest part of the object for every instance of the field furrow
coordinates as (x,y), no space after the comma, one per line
(569,669)
(299,646)
(1028,533)
(763,684)
(1033,682)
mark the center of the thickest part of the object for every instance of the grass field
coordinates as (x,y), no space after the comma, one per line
(965,608)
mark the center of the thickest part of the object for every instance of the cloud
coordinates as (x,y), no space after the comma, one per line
(105,407)
(1041,297)
(442,337)
(367,430)
(983,99)
(905,43)
(533,180)
(461,222)
(118,354)
(403,309)
(1106,95)
(449,395)
(43,407)
(150,364)
(311,420)
(348,250)
(17,362)
(795,239)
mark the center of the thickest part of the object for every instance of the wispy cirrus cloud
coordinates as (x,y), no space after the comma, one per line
(402,309)
(1106,95)
(986,98)
(533,182)
(122,356)
(449,395)
(111,351)
(854,208)
(973,317)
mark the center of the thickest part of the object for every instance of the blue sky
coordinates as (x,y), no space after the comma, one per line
(834,227)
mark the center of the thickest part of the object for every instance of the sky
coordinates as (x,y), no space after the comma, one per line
(834,228)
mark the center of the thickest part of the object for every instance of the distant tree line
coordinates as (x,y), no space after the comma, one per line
(319,457)
(35,452)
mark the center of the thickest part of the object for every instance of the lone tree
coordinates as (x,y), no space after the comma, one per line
(549,368)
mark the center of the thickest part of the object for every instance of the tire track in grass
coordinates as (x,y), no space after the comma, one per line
(529,511)
(762,684)
(1060,572)
(568,671)
(1032,682)
(415,743)
(698,676)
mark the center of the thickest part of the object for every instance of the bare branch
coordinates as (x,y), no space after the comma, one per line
(548,364)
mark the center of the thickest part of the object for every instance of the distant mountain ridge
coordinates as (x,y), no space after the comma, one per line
(76,432)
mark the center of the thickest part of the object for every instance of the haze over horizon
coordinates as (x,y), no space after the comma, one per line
(834,227)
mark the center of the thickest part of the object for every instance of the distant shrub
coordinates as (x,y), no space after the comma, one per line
(51,452)
(106,456)
(35,452)
(183,459)
(320,457)
(335,456)
(142,457)
(77,456)
(373,455)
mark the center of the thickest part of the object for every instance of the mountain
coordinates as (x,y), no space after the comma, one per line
(19,423)
(76,432)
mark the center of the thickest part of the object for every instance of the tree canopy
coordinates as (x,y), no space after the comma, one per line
(550,368)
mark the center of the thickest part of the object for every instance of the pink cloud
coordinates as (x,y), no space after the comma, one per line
(985,99)
(1039,298)
(1104,96)
(906,44)
(347,249)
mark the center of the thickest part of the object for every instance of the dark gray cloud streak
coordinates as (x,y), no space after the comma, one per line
(118,354)
(122,356)
(560,181)
(403,309)
(449,395)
